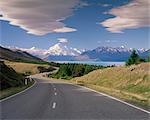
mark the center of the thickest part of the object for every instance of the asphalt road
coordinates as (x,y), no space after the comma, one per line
(57,100)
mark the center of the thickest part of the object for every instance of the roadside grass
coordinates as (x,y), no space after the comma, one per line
(125,96)
(13,90)
(129,83)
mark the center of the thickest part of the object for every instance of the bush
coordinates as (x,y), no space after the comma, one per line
(68,71)
(43,69)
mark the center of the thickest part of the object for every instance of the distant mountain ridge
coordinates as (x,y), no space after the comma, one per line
(61,52)
(111,54)
(15,55)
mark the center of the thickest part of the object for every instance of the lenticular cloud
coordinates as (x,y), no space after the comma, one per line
(133,15)
(38,17)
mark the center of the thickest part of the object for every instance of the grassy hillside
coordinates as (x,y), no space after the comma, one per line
(9,77)
(17,55)
(28,68)
(130,83)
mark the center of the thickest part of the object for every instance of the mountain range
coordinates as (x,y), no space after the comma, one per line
(17,55)
(61,52)
(111,54)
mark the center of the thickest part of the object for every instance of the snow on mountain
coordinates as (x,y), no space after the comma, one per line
(36,51)
(62,49)
(59,49)
(111,54)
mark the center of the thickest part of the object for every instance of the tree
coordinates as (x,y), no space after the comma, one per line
(148,59)
(134,58)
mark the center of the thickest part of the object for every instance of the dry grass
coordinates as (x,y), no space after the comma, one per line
(130,83)
(25,67)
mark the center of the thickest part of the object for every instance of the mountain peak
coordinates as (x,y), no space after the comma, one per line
(62,49)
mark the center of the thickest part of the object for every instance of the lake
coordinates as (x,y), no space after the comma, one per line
(98,63)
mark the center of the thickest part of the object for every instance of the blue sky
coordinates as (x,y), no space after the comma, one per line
(87,20)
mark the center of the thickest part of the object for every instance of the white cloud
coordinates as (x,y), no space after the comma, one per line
(64,29)
(38,17)
(110,41)
(62,40)
(133,15)
(104,5)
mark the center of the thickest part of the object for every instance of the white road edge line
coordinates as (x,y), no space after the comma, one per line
(18,93)
(143,110)
(115,99)
(54,105)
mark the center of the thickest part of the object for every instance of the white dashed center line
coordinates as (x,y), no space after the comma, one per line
(54,88)
(54,105)
(55,93)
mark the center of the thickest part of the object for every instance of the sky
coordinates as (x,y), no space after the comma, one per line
(84,24)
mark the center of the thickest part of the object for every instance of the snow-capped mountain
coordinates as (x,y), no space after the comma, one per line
(61,52)
(111,54)
(60,49)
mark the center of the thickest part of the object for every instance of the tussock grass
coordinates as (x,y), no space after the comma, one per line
(130,83)
(25,68)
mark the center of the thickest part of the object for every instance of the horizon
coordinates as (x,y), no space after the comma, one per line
(96,23)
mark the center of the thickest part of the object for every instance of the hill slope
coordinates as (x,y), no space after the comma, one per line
(129,83)
(28,68)
(9,77)
(17,55)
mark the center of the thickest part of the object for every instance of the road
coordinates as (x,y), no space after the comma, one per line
(58,100)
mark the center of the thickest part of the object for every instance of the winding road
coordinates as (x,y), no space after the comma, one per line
(55,100)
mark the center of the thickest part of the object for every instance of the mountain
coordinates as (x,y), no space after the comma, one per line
(15,55)
(61,49)
(61,52)
(111,54)
(58,52)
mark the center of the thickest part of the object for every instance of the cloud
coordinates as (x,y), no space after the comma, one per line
(107,41)
(62,40)
(110,41)
(130,16)
(104,5)
(39,17)
(64,29)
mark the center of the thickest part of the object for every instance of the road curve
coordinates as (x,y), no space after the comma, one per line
(57,100)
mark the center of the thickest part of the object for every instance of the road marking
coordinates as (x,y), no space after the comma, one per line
(54,105)
(55,93)
(116,99)
(54,88)
(18,92)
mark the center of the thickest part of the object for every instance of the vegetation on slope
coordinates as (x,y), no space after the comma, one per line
(131,83)
(134,59)
(17,55)
(68,71)
(9,77)
(29,68)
